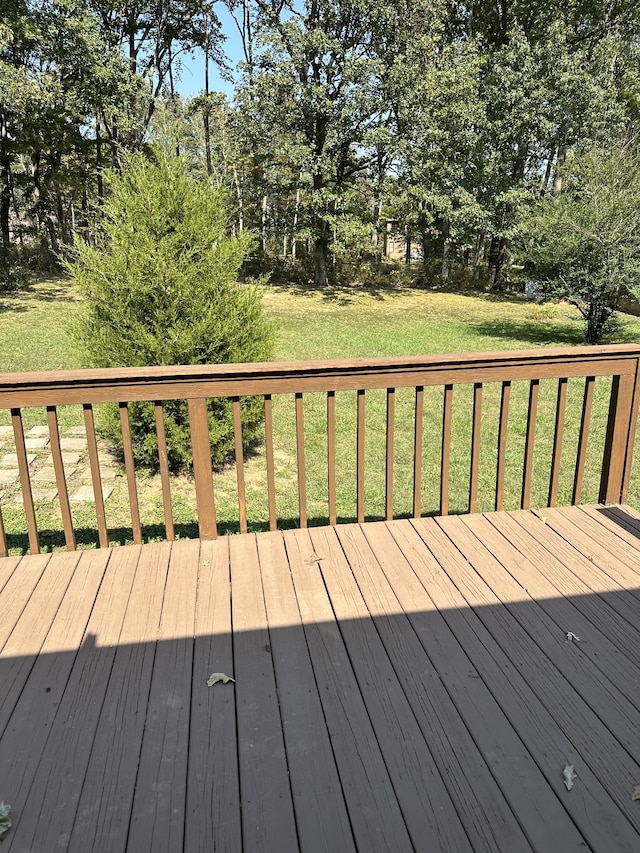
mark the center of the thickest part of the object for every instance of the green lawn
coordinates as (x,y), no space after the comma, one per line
(34,335)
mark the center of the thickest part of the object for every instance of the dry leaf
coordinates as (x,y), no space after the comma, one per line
(215,677)
(568,776)
(636,793)
(5,820)
(572,638)
(313,558)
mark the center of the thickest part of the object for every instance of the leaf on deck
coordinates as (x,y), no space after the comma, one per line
(215,677)
(636,793)
(568,776)
(5,820)
(572,638)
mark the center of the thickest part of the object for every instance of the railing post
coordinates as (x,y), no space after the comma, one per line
(202,469)
(618,449)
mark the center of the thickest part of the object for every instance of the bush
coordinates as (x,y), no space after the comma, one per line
(161,288)
(584,244)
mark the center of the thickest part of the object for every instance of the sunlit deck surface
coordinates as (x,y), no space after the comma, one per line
(398,686)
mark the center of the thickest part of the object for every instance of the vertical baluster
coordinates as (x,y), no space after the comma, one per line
(631,438)
(557,442)
(129,467)
(163,460)
(417,452)
(475,447)
(302,477)
(617,440)
(61,482)
(96,479)
(25,481)
(331,454)
(502,443)
(237,440)
(391,411)
(446,450)
(534,387)
(202,469)
(587,402)
(360,457)
(4,550)
(271,473)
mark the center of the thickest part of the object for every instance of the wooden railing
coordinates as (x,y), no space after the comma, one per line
(195,384)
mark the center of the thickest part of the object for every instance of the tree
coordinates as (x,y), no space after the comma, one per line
(161,288)
(583,245)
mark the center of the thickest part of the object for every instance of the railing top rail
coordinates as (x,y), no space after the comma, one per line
(180,382)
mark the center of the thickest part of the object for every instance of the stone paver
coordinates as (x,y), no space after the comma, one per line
(10,460)
(9,475)
(67,458)
(45,475)
(76,430)
(38,432)
(85,493)
(73,443)
(44,494)
(36,443)
(6,430)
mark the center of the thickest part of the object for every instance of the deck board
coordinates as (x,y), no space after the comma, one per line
(400,685)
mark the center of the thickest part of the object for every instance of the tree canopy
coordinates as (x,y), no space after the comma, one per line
(350,122)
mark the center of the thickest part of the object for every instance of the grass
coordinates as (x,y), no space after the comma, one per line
(340,323)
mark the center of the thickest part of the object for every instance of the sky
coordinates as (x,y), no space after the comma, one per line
(192,77)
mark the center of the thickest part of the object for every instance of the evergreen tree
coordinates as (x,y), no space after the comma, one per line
(161,288)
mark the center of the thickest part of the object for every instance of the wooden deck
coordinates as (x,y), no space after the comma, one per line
(402,685)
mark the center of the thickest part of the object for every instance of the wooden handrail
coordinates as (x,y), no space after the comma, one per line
(197,384)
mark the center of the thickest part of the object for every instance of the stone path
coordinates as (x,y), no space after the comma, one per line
(73,442)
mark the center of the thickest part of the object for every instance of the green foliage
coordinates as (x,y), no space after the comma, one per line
(161,288)
(584,244)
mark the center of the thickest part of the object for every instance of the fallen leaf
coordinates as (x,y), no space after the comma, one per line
(205,562)
(215,677)
(568,776)
(572,638)
(636,793)
(5,820)
(313,558)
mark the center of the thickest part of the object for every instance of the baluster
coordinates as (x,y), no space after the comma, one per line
(237,440)
(4,550)
(617,439)
(475,447)
(557,442)
(502,443)
(163,460)
(302,479)
(271,476)
(446,450)
(25,481)
(96,479)
(202,469)
(391,411)
(129,466)
(360,457)
(585,421)
(417,452)
(61,482)
(534,387)
(331,454)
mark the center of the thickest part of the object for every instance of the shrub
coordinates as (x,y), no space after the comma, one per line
(161,288)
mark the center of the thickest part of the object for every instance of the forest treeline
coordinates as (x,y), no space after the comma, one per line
(350,120)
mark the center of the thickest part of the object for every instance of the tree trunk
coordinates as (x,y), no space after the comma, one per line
(444,271)
(479,254)
(205,113)
(99,163)
(407,247)
(263,222)
(320,257)
(557,175)
(5,196)
(296,213)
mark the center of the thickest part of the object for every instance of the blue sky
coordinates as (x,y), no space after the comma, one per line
(192,77)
